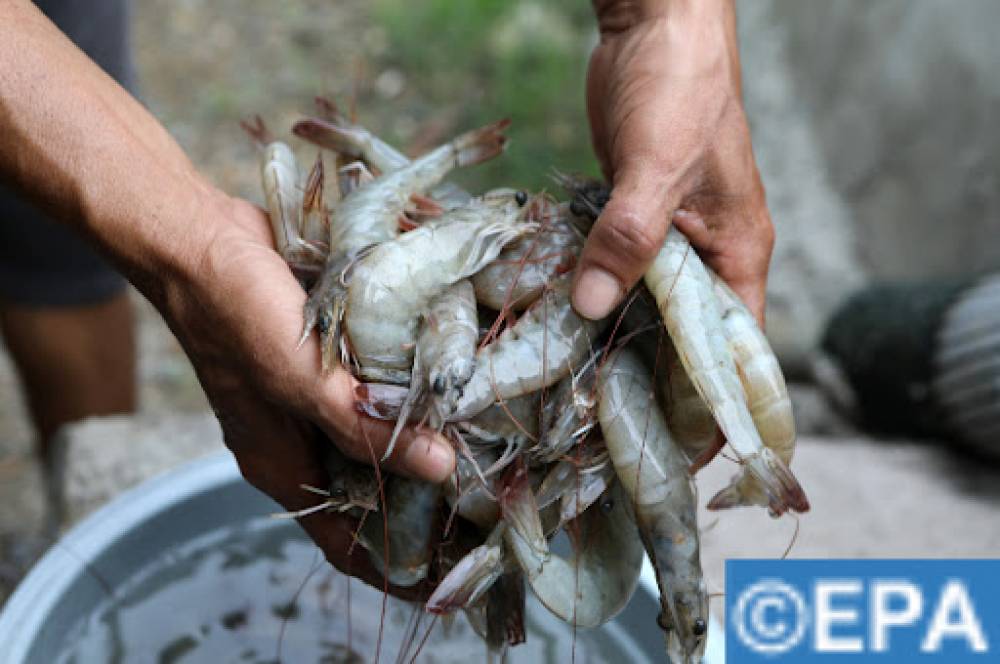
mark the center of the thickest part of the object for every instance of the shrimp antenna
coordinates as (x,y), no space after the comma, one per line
(795,535)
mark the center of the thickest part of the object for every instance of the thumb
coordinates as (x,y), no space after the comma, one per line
(624,240)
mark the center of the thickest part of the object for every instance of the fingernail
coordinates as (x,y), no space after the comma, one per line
(430,457)
(596,293)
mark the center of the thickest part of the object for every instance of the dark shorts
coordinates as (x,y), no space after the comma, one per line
(42,262)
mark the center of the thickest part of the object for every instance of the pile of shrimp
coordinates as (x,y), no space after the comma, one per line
(453,310)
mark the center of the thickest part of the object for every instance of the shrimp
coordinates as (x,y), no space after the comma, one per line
(472,576)
(572,408)
(689,419)
(315,214)
(588,196)
(505,601)
(447,347)
(767,396)
(653,471)
(542,348)
(684,294)
(393,285)
(688,416)
(403,557)
(444,358)
(521,272)
(513,418)
(596,583)
(279,172)
(576,483)
(369,215)
(465,493)
(353,487)
(334,131)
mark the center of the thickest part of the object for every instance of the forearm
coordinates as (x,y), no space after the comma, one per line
(77,143)
(704,22)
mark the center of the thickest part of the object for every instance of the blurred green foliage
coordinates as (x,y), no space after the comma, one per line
(470,62)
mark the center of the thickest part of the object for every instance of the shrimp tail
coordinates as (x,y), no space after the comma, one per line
(336,135)
(706,457)
(474,574)
(379,400)
(520,511)
(490,241)
(481,144)
(783,490)
(505,610)
(257,130)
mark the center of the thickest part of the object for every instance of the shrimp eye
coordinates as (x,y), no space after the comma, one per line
(521,197)
(338,493)
(440,386)
(699,628)
(578,208)
(607,505)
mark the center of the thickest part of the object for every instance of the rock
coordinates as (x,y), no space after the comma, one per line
(815,264)
(101,457)
(902,95)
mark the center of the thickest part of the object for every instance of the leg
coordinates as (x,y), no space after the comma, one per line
(74,361)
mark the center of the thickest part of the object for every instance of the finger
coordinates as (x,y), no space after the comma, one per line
(423,454)
(624,240)
(754,295)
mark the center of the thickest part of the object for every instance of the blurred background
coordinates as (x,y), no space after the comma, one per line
(873,124)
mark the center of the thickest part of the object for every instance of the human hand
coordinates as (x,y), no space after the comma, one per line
(670,133)
(238,314)
(94,157)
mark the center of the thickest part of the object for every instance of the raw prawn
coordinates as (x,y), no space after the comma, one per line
(684,294)
(520,273)
(399,539)
(279,172)
(369,215)
(767,396)
(393,285)
(543,347)
(653,471)
(595,584)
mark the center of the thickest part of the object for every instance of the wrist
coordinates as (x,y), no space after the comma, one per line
(157,228)
(615,16)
